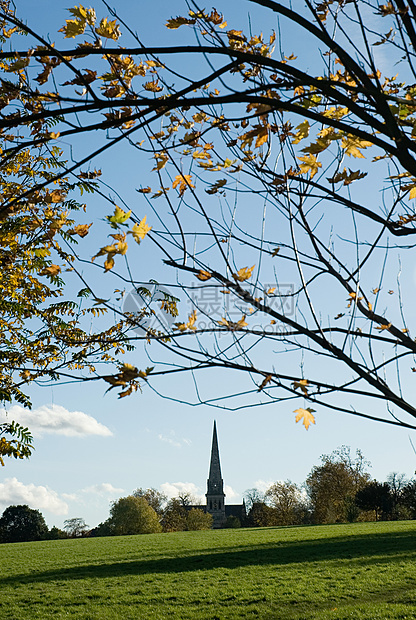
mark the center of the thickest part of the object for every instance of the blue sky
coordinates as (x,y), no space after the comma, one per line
(92,448)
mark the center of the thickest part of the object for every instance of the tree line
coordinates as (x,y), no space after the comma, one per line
(338,490)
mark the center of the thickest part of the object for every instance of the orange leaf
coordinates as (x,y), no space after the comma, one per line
(204,275)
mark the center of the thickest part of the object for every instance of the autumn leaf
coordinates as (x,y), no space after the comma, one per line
(383,326)
(73,28)
(306,415)
(52,270)
(182,327)
(176,22)
(243,274)
(139,231)
(217,185)
(347,176)
(412,193)
(203,275)
(183,181)
(302,132)
(302,383)
(153,86)
(119,216)
(265,381)
(310,164)
(81,230)
(108,29)
(234,326)
(352,144)
(112,250)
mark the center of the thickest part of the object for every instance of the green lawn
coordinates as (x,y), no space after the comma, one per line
(365,571)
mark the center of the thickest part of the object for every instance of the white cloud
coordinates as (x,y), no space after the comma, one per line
(39,497)
(103,489)
(263,485)
(230,493)
(56,419)
(172,489)
(173,440)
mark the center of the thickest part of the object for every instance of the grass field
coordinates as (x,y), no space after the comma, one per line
(365,571)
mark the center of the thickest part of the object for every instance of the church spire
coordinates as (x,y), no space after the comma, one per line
(215,482)
(215,485)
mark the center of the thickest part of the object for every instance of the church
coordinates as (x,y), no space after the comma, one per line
(215,495)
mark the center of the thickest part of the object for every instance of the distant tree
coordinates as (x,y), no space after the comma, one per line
(331,485)
(133,515)
(253,496)
(174,516)
(103,529)
(75,527)
(232,522)
(197,519)
(21,523)
(56,534)
(286,499)
(261,515)
(408,498)
(187,499)
(397,483)
(154,498)
(375,496)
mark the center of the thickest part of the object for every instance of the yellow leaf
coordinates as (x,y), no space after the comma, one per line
(108,29)
(242,322)
(119,216)
(381,327)
(352,144)
(243,274)
(204,275)
(302,132)
(412,193)
(310,164)
(191,322)
(306,415)
(153,86)
(262,136)
(139,231)
(162,159)
(302,383)
(73,28)
(182,327)
(109,263)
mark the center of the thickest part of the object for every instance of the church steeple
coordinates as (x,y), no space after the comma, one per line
(215,485)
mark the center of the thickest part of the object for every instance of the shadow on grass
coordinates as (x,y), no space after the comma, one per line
(362,550)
